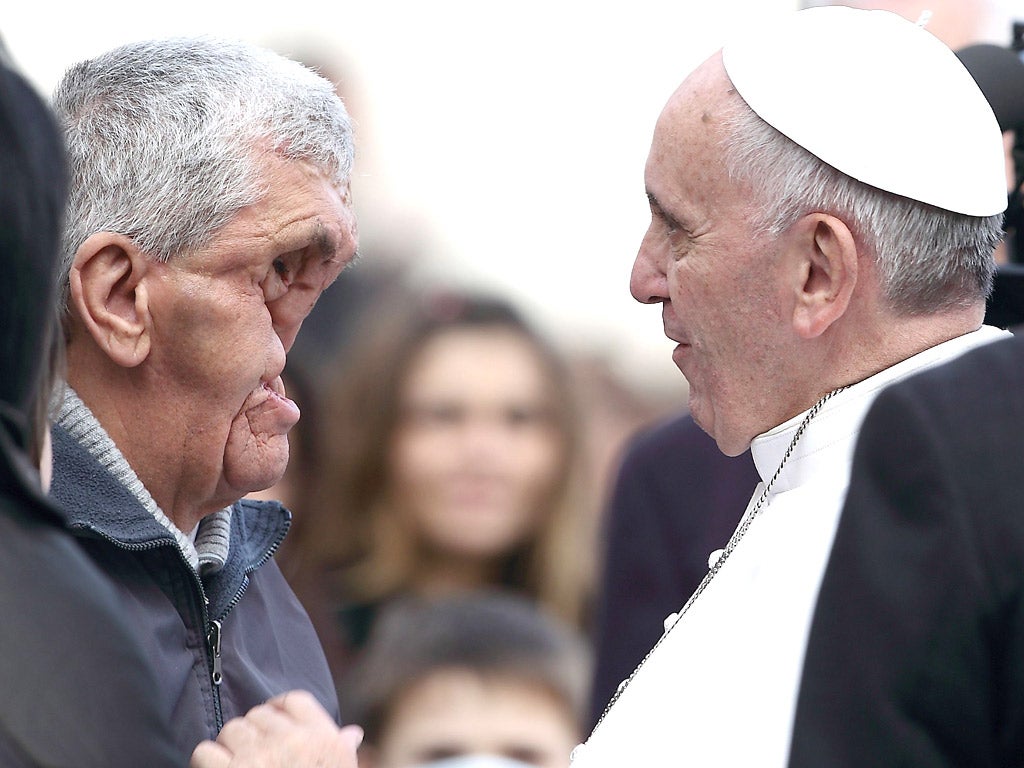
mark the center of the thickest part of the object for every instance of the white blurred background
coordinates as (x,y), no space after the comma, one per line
(503,143)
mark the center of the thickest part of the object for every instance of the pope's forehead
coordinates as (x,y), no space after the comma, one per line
(706,82)
(701,99)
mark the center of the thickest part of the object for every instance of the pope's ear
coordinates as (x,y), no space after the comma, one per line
(827,273)
(108,295)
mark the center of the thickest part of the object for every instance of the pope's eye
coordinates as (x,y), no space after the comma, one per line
(280,267)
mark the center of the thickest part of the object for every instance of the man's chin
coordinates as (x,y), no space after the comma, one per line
(257,467)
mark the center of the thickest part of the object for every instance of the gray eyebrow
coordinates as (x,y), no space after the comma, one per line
(661,212)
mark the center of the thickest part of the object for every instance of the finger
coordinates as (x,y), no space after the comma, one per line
(238,734)
(209,754)
(269,719)
(301,705)
(353,734)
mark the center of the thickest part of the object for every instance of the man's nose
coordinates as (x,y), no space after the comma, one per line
(648,281)
(288,314)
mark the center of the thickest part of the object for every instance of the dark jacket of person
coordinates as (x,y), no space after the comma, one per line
(916,650)
(241,623)
(76,686)
(75,683)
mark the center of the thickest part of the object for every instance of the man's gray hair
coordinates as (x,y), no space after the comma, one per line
(164,138)
(929,259)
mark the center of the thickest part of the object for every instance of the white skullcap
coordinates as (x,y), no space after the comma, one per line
(880,99)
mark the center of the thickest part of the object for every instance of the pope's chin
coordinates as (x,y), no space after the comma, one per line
(680,355)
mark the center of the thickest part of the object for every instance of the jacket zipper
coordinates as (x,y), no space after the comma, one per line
(254,566)
(215,636)
(213,645)
(214,633)
(214,640)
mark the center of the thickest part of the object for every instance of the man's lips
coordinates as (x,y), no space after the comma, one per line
(275,386)
(677,338)
(269,410)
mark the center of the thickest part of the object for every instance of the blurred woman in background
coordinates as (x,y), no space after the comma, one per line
(455,461)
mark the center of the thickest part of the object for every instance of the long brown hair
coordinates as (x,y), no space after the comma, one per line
(358,541)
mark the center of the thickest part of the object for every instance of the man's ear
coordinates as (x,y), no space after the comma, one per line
(827,272)
(108,294)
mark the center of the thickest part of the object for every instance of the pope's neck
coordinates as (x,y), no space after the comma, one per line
(843,362)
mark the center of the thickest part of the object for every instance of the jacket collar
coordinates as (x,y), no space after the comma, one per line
(95,500)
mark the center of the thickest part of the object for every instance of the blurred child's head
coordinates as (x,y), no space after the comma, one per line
(485,677)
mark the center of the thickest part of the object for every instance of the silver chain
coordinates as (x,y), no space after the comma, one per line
(738,534)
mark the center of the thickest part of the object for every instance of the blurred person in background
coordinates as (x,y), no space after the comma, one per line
(476,680)
(456,463)
(999,72)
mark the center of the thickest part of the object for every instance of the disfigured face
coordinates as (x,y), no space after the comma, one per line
(457,712)
(223,319)
(703,262)
(476,451)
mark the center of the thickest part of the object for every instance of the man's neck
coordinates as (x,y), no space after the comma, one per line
(114,401)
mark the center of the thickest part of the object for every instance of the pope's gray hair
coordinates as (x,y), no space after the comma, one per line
(164,138)
(929,259)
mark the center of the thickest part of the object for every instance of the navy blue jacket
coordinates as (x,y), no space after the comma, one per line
(221,644)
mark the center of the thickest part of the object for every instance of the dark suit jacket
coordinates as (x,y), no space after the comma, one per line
(916,651)
(676,499)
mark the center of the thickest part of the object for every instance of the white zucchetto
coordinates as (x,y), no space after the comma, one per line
(880,99)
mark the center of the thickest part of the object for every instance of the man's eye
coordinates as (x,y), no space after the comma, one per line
(278,280)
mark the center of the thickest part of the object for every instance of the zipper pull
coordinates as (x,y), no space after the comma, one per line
(214,639)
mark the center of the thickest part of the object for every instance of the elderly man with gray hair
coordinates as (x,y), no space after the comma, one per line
(826,196)
(209,208)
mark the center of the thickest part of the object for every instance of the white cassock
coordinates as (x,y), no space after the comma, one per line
(721,687)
